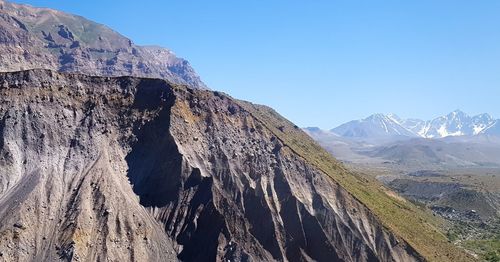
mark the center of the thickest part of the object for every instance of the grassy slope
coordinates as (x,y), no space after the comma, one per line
(488,249)
(483,240)
(84,30)
(416,226)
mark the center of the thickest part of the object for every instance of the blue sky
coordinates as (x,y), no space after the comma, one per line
(322,63)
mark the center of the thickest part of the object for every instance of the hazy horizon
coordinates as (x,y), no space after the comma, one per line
(328,62)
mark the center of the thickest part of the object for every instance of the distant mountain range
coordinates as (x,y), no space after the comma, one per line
(456,123)
(455,139)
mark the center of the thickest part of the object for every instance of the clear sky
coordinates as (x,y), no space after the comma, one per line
(322,63)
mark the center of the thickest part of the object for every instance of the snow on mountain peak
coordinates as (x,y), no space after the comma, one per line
(374,126)
(456,123)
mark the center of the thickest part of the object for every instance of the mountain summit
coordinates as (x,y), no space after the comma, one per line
(377,125)
(456,123)
(33,38)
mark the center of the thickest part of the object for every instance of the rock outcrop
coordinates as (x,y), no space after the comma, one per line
(130,169)
(41,38)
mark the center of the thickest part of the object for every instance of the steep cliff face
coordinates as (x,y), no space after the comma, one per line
(138,169)
(64,192)
(32,38)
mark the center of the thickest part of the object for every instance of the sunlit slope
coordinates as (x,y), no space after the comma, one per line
(417,227)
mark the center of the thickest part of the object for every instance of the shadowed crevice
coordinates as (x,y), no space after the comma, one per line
(154,162)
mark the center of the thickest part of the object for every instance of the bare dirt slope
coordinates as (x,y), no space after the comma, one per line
(131,169)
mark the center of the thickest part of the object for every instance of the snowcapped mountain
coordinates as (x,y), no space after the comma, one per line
(456,123)
(374,126)
(493,129)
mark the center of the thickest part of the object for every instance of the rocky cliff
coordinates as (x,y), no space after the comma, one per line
(129,169)
(32,38)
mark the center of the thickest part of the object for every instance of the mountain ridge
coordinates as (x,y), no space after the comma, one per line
(32,37)
(456,123)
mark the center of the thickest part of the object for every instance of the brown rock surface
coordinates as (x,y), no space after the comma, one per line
(34,38)
(129,169)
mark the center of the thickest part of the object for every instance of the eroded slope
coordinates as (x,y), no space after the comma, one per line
(137,169)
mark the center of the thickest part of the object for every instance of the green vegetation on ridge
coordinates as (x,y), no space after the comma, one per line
(416,226)
(480,238)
